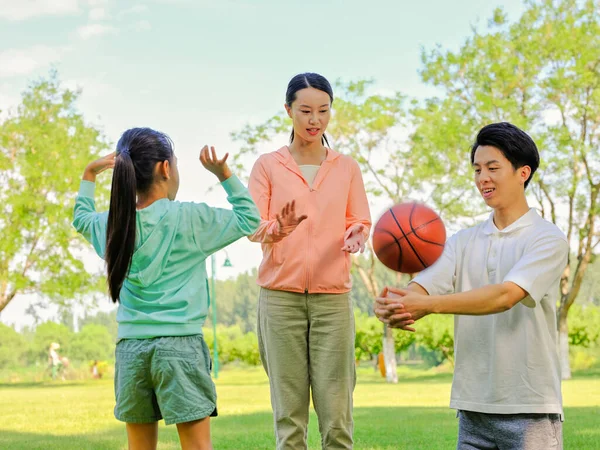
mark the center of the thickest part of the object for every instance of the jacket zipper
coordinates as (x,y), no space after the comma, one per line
(309,229)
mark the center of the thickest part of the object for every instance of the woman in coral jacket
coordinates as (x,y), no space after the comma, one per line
(314,213)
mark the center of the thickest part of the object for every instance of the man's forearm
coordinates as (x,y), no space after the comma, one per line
(491,299)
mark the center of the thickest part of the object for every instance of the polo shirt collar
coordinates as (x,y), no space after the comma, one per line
(524,221)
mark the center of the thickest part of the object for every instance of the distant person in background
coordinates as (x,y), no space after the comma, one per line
(94,369)
(54,360)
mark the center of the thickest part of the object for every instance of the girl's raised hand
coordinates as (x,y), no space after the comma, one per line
(213,164)
(99,166)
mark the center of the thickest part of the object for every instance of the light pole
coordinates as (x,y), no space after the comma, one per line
(213,263)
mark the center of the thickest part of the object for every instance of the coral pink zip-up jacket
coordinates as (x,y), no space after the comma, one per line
(308,258)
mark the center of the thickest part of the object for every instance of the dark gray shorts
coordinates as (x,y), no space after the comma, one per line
(480,431)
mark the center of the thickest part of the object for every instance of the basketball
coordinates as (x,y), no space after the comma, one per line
(409,237)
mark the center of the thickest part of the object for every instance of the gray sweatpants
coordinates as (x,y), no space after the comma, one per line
(306,342)
(480,431)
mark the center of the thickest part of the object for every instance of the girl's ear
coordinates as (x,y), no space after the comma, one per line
(163,169)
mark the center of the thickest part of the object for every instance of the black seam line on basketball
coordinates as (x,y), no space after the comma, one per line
(399,248)
(407,240)
(383,230)
(400,253)
(425,240)
(410,216)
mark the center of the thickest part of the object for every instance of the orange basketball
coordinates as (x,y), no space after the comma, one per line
(409,237)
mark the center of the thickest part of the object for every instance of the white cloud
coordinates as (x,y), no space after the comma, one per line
(93,30)
(142,25)
(96,3)
(98,14)
(136,9)
(14,62)
(26,9)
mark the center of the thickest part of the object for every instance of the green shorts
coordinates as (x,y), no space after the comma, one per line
(164,378)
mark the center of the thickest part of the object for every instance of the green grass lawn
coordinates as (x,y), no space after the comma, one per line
(412,414)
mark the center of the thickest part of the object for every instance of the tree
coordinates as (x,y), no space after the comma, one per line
(237,301)
(12,347)
(47,333)
(44,147)
(105,319)
(436,334)
(590,287)
(91,343)
(541,73)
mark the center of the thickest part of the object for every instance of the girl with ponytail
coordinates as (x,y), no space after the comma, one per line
(155,250)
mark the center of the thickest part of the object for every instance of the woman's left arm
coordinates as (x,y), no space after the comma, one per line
(358,215)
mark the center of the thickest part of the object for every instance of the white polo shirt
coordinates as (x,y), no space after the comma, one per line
(505,363)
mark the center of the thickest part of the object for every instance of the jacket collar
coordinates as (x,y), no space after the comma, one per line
(284,157)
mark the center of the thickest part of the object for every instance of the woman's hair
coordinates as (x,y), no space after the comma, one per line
(303,81)
(138,151)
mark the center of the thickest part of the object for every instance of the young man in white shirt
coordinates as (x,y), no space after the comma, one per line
(501,281)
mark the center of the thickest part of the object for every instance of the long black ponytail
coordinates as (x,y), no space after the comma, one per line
(303,81)
(138,151)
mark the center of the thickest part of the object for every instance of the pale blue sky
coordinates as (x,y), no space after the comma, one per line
(201,69)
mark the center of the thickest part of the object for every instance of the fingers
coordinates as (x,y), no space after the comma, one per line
(350,248)
(401,323)
(381,314)
(395,319)
(209,156)
(288,214)
(398,291)
(204,155)
(389,303)
(279,221)
(400,317)
(386,311)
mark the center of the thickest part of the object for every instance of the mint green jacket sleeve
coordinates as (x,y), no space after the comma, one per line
(88,222)
(216,228)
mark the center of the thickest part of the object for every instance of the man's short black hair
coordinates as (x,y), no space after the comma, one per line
(516,145)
